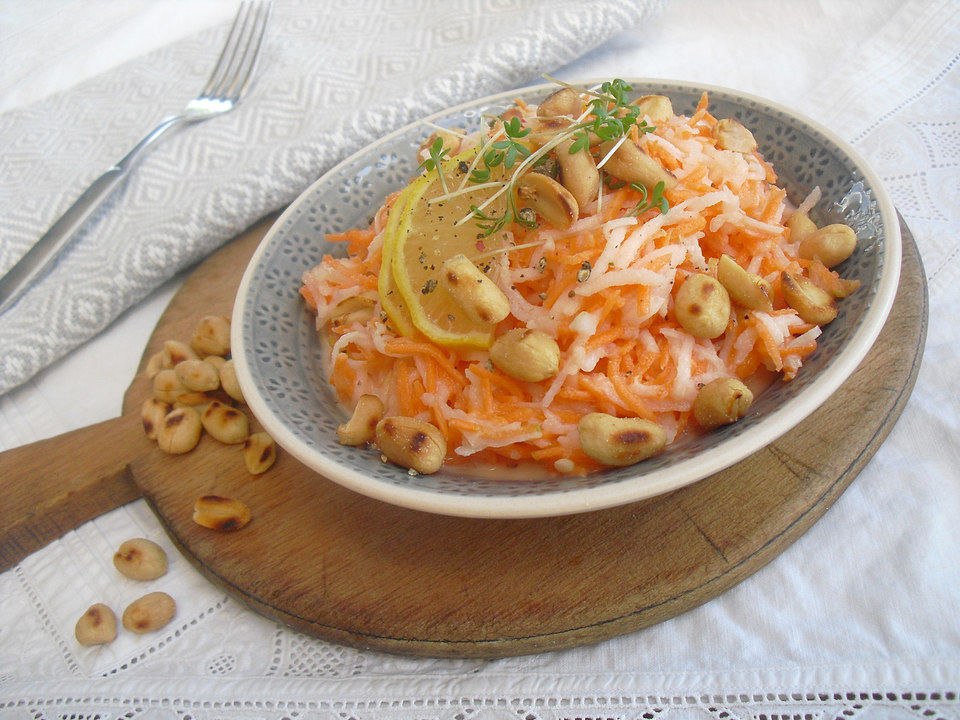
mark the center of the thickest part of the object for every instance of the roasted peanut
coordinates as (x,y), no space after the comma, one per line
(746,289)
(474,293)
(657,108)
(549,199)
(212,336)
(97,626)
(154,365)
(831,245)
(179,431)
(197,375)
(140,559)
(411,443)
(167,386)
(632,165)
(801,226)
(196,400)
(220,513)
(559,109)
(215,361)
(226,424)
(229,382)
(175,352)
(578,173)
(358,308)
(362,426)
(148,613)
(721,402)
(619,441)
(702,306)
(732,135)
(813,304)
(525,354)
(259,452)
(152,413)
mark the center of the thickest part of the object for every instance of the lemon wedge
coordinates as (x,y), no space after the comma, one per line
(425,235)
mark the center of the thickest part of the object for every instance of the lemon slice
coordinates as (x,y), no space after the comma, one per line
(390,299)
(427,234)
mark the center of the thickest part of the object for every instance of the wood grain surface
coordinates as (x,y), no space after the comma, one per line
(350,569)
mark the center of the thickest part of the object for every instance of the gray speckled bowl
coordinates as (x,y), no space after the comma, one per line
(277,351)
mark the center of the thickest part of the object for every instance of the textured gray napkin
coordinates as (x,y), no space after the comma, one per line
(334,77)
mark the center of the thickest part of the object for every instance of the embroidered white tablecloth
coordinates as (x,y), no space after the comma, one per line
(860,618)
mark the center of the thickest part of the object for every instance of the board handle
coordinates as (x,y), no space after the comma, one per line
(52,486)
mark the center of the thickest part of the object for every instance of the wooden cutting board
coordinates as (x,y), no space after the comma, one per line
(343,567)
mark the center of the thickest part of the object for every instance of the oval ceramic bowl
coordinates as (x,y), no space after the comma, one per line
(278,352)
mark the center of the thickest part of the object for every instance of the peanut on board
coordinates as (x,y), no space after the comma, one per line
(226,424)
(362,426)
(259,452)
(411,443)
(619,441)
(197,375)
(194,400)
(211,336)
(152,413)
(721,402)
(97,626)
(167,386)
(149,613)
(179,431)
(220,513)
(228,381)
(140,559)
(154,364)
(175,352)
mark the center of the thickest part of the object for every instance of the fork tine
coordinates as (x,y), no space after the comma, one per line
(228,52)
(234,68)
(251,53)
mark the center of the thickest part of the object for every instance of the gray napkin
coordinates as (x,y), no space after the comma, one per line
(334,77)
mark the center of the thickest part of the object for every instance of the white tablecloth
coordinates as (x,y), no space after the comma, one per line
(859,618)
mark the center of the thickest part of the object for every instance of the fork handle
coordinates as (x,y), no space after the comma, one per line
(39,258)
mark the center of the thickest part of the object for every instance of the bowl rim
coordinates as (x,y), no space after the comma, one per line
(568,501)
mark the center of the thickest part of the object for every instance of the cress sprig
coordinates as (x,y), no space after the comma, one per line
(610,116)
(656,199)
(503,152)
(437,155)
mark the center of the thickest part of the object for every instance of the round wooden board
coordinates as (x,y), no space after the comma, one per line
(343,567)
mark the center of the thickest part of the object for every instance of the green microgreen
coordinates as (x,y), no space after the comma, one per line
(609,117)
(655,199)
(437,155)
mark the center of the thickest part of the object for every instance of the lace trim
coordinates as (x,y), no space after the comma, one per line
(767,706)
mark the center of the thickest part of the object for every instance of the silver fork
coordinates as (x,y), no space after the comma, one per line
(228,82)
